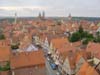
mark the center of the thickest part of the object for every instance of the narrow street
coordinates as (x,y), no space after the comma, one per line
(49,69)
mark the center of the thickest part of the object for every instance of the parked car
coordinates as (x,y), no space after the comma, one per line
(53,66)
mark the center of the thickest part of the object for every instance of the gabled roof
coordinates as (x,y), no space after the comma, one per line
(73,58)
(94,48)
(77,44)
(65,49)
(59,42)
(78,57)
(27,59)
(86,69)
(4,53)
(5,73)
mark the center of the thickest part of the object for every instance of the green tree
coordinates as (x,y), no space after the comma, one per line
(85,41)
(80,29)
(81,35)
(16,46)
(6,67)
(2,37)
(97,38)
(75,37)
(90,37)
(98,34)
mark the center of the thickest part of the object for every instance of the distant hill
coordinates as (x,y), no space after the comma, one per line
(79,18)
(55,18)
(87,18)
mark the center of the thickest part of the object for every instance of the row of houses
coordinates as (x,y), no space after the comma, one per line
(21,63)
(70,57)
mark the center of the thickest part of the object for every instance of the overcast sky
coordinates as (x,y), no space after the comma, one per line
(90,8)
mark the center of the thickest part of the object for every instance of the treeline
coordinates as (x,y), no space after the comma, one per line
(84,36)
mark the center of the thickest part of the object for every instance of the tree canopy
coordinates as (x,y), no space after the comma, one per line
(81,35)
(2,37)
(15,46)
(6,67)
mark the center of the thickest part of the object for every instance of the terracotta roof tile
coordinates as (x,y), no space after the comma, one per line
(4,73)
(4,53)
(59,42)
(94,48)
(86,69)
(26,59)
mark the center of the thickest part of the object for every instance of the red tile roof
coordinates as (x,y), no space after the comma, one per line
(94,48)
(4,53)
(26,59)
(59,42)
(86,69)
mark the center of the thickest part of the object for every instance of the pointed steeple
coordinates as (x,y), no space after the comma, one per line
(39,15)
(43,14)
(15,20)
(69,17)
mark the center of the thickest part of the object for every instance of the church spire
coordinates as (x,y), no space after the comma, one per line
(15,20)
(39,15)
(43,14)
(69,17)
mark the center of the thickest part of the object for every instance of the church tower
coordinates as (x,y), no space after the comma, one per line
(43,15)
(69,17)
(15,18)
(39,16)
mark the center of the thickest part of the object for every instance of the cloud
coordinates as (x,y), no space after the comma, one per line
(51,7)
(21,11)
(10,8)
